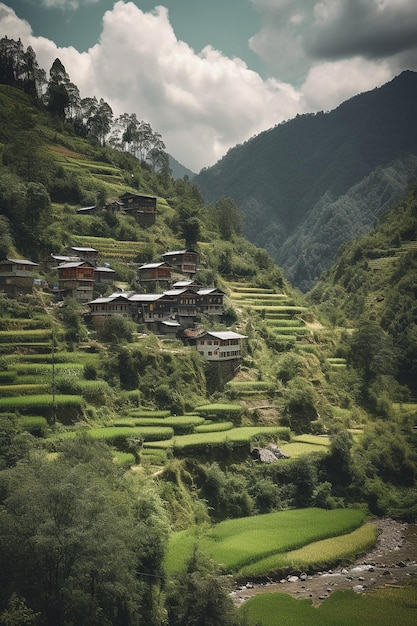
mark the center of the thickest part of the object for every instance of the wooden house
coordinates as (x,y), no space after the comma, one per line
(16,276)
(182,303)
(155,273)
(76,279)
(103,308)
(184,261)
(142,208)
(211,301)
(220,345)
(104,275)
(84,253)
(148,308)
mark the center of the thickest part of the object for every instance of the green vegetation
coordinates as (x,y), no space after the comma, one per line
(240,542)
(343,607)
(114,439)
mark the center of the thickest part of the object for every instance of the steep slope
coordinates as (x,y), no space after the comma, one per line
(340,169)
(375,278)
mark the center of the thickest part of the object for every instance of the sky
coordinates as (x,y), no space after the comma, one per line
(210,74)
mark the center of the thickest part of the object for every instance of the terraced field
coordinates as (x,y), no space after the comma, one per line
(110,249)
(33,368)
(281,315)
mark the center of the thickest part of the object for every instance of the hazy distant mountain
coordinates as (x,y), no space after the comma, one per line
(178,170)
(311,183)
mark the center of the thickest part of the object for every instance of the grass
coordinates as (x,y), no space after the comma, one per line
(246,541)
(118,434)
(40,401)
(381,607)
(316,555)
(179,423)
(212,427)
(243,434)
(24,389)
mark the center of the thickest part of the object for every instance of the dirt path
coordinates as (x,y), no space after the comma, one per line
(393,561)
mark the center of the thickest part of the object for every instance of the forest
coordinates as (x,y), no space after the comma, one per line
(131,486)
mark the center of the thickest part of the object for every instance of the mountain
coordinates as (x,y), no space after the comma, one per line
(374,278)
(178,170)
(318,180)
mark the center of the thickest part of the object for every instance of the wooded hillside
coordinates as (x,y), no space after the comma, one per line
(316,181)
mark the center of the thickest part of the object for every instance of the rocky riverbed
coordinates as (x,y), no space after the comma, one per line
(390,563)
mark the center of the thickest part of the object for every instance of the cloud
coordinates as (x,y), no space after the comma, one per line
(204,103)
(374,29)
(331,82)
(296,34)
(65,4)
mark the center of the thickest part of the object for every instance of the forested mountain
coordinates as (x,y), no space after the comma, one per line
(374,278)
(311,183)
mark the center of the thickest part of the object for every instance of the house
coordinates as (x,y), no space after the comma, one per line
(220,345)
(142,208)
(183,303)
(149,308)
(154,273)
(185,261)
(16,276)
(103,308)
(211,301)
(84,253)
(76,279)
(169,328)
(104,275)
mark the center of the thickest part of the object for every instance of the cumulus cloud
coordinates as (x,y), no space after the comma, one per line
(204,103)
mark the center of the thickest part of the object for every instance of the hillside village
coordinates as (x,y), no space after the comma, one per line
(175,312)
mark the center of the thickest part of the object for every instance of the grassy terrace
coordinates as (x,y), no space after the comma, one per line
(242,434)
(109,248)
(262,545)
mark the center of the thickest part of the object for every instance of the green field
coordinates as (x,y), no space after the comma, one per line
(245,542)
(382,607)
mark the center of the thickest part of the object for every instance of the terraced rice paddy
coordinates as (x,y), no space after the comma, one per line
(282,316)
(262,544)
(110,249)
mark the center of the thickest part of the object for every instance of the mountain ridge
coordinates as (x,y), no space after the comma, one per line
(278,177)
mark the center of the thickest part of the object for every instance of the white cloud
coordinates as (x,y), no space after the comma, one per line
(205,103)
(202,104)
(329,84)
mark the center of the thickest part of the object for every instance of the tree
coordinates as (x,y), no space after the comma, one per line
(372,350)
(6,241)
(228,217)
(57,97)
(77,540)
(198,596)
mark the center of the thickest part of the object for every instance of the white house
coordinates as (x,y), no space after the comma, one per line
(220,345)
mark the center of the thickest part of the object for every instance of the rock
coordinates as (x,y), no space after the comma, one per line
(293,579)
(358,588)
